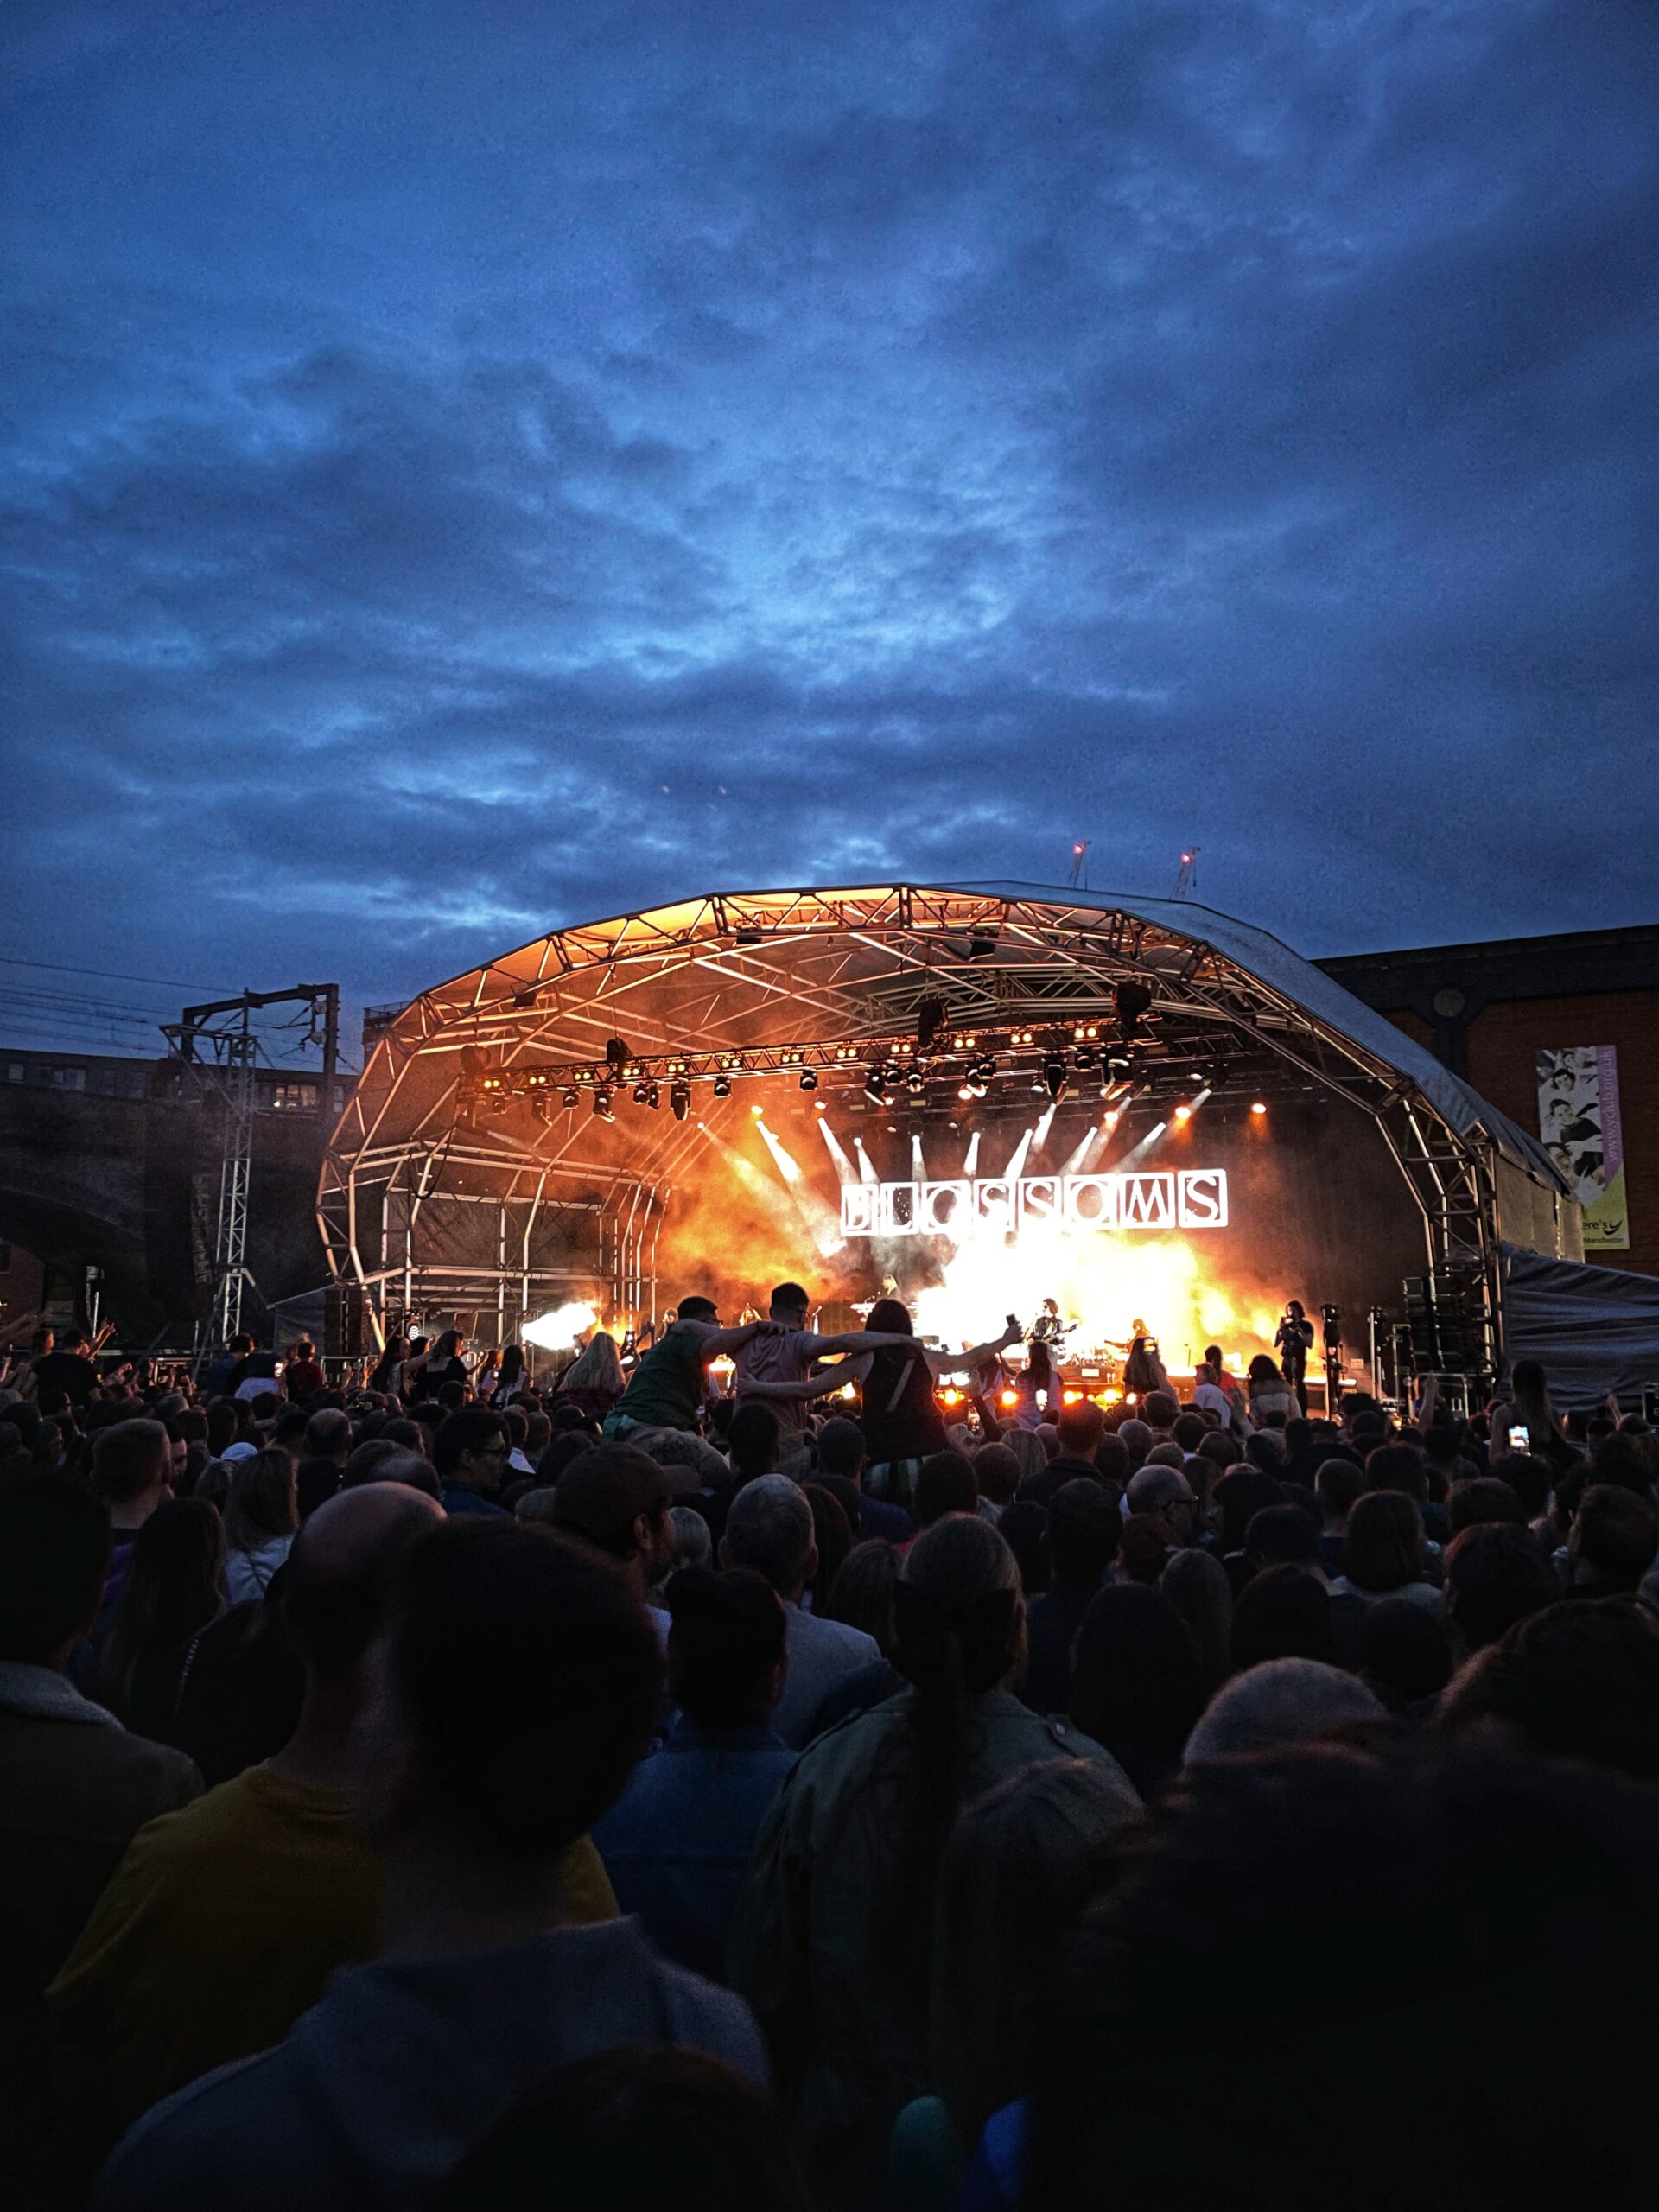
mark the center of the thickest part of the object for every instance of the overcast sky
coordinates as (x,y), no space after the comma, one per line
(469,469)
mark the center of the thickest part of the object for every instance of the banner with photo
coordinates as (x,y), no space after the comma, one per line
(1577,1120)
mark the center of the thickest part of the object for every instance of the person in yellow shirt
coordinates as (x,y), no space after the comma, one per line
(222,1923)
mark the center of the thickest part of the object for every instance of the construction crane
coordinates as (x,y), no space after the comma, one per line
(1188,879)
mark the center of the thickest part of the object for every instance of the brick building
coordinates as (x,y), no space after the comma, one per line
(1488,1011)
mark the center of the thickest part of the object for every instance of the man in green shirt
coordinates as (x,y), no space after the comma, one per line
(671,1381)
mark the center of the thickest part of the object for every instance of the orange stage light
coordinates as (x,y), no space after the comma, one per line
(1009,1398)
(1070,1397)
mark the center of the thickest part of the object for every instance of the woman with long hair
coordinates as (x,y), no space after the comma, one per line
(261,1516)
(514,1375)
(385,1376)
(170,1592)
(426,1372)
(593,1381)
(1529,1407)
(832,1941)
(1272,1400)
(1143,1370)
(899,1415)
(1035,1388)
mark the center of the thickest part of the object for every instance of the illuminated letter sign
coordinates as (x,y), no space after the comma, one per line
(1080,1205)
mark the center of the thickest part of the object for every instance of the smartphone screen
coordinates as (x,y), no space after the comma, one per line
(1519,1439)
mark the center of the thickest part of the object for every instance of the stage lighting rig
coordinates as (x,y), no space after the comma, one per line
(641,1093)
(1134,1003)
(569,1098)
(653,1097)
(809,1079)
(930,1020)
(617,1055)
(1054,1075)
(975,1084)
(602,1108)
(916,1082)
(679,1100)
(1084,1058)
(723,1086)
(875,1086)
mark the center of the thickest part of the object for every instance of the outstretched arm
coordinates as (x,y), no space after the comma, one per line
(718,1343)
(952,1362)
(815,1386)
(816,1347)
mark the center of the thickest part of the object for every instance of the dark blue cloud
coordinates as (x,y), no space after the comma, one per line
(465,472)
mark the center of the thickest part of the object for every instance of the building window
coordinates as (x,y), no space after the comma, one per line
(66,1078)
(16,1072)
(294,1098)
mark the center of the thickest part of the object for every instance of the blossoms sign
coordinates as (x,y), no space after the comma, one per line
(998,1206)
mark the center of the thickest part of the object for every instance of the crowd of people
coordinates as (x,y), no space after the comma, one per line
(442,1791)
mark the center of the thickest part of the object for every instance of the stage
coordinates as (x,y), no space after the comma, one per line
(988,1094)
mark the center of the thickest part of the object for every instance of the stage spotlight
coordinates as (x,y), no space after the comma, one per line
(809,1079)
(641,1093)
(757,1111)
(875,1086)
(1054,1073)
(975,1084)
(569,1098)
(617,1054)
(1085,1059)
(915,1083)
(653,1097)
(1132,1001)
(723,1086)
(602,1107)
(1183,1112)
(1258,1106)
(679,1101)
(930,1020)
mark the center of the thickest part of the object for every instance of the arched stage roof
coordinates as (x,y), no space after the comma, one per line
(470,1078)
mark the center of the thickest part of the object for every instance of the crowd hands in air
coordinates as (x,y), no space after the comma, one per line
(443,1791)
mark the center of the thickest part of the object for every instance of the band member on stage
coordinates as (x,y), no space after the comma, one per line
(1048,1328)
(1293,1340)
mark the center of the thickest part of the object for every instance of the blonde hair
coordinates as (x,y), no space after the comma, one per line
(598,1368)
(261,1504)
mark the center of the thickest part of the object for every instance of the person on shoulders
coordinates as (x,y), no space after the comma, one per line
(667,1387)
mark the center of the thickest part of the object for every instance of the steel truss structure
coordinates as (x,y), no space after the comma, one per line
(483,1092)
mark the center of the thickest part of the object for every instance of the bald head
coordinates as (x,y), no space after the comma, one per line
(341,1570)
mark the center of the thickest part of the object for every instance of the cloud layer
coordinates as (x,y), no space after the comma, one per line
(465,471)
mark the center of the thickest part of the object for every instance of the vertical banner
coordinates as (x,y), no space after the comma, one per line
(1577,1120)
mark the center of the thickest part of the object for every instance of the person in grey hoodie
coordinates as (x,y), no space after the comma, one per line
(521,1681)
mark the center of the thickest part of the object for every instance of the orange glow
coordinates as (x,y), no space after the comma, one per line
(1009,1398)
(757,1111)
(1183,1112)
(1258,1106)
(1070,1397)
(950,1397)
(1108,1397)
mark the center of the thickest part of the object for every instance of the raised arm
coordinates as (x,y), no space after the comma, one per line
(970,1362)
